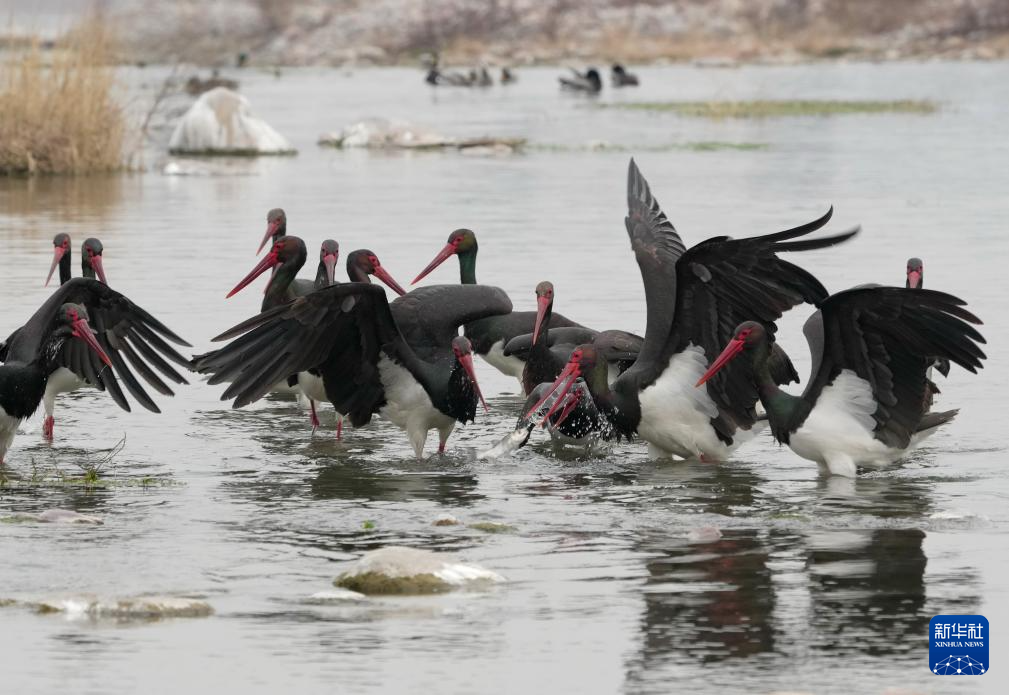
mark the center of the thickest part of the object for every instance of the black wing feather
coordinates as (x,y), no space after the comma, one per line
(890,336)
(115,319)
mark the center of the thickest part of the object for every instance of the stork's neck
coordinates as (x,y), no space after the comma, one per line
(280,284)
(321,276)
(65,268)
(785,412)
(467,267)
(357,274)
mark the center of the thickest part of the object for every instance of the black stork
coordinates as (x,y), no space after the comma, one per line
(542,364)
(329,255)
(276,227)
(588,82)
(286,259)
(288,256)
(694,297)
(63,380)
(916,280)
(618,348)
(93,331)
(404,360)
(489,336)
(866,402)
(91,259)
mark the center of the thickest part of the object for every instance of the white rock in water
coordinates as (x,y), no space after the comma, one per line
(138,608)
(400,562)
(221,122)
(446,520)
(382,132)
(335,595)
(67,516)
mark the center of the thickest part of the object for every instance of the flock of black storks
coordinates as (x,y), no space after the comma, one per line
(690,387)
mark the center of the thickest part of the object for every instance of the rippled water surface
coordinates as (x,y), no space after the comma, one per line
(617,578)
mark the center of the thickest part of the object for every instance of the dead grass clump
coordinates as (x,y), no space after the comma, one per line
(58,111)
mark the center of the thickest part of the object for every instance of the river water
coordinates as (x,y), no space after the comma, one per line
(624,574)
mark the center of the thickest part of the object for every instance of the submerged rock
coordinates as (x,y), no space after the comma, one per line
(336,595)
(220,122)
(492,527)
(137,608)
(52,516)
(398,570)
(446,520)
(67,516)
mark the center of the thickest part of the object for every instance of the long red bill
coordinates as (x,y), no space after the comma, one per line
(382,275)
(914,279)
(571,402)
(447,252)
(83,331)
(96,263)
(562,400)
(541,309)
(271,229)
(467,363)
(329,260)
(269,260)
(58,252)
(734,347)
(570,371)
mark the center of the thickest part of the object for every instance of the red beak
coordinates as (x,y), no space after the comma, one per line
(387,279)
(914,279)
(271,228)
(466,360)
(83,331)
(734,347)
(570,403)
(541,309)
(447,252)
(58,253)
(96,263)
(329,260)
(569,374)
(269,260)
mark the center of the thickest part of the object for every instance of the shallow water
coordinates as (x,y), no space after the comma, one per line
(617,578)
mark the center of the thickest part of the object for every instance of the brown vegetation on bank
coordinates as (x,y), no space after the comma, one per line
(518,32)
(58,108)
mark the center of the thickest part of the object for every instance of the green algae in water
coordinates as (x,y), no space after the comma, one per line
(693,146)
(492,527)
(771,108)
(378,584)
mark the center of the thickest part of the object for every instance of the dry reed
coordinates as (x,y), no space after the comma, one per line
(58,109)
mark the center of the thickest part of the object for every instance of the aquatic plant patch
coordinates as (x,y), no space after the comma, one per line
(772,108)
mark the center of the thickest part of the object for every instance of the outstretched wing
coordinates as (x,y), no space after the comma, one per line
(340,330)
(657,247)
(722,282)
(130,336)
(430,317)
(889,336)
